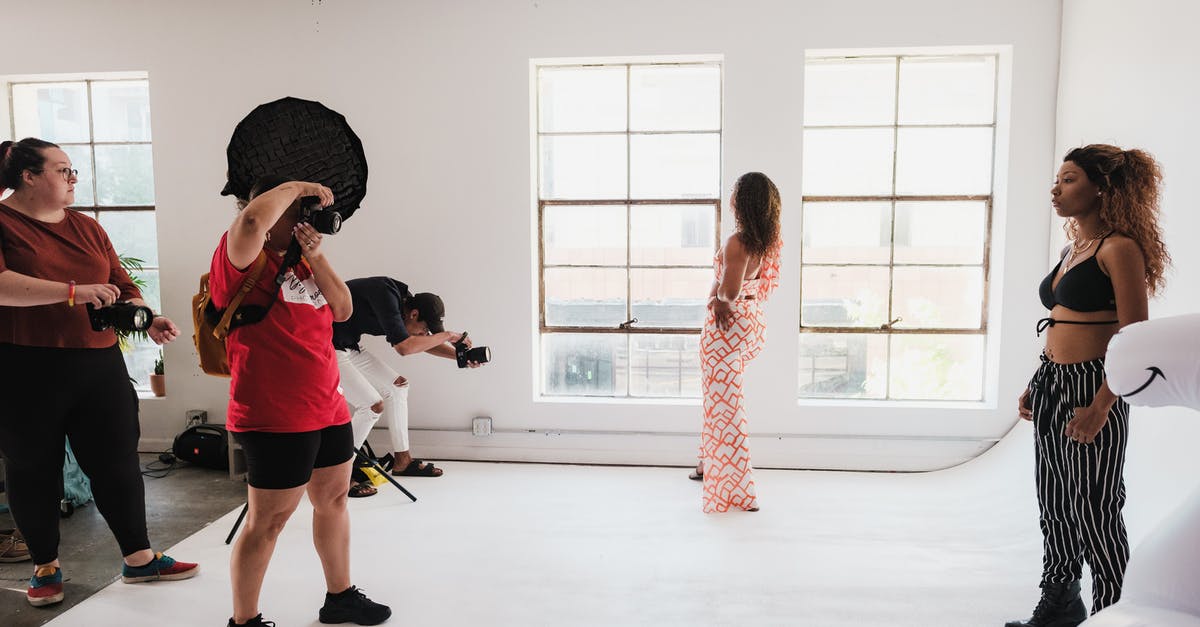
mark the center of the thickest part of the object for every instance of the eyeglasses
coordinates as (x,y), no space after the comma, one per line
(67,173)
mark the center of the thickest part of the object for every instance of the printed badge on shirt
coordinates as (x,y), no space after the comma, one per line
(303,292)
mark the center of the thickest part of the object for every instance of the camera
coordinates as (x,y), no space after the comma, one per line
(465,355)
(324,220)
(121,315)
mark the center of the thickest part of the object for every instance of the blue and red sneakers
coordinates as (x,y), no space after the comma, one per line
(160,568)
(45,587)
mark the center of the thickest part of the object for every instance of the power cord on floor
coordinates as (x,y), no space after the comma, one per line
(167,462)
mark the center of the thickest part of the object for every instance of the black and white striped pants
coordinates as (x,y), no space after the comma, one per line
(1081,487)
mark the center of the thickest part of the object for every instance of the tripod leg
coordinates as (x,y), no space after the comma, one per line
(241,516)
(386,474)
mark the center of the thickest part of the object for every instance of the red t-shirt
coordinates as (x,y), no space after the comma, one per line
(284,370)
(73,249)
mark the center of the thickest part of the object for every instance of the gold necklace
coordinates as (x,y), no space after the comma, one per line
(1078,247)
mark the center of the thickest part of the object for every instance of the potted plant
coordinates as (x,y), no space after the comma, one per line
(158,382)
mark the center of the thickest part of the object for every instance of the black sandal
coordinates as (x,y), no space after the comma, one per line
(360,490)
(418,468)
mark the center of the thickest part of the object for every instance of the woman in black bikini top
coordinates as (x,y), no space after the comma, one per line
(1115,260)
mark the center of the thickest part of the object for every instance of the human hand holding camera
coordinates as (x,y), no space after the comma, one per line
(310,241)
(324,194)
(467,356)
(97,294)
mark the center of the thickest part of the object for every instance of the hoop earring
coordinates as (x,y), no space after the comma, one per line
(268,236)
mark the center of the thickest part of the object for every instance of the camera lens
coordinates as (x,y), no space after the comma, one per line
(141,319)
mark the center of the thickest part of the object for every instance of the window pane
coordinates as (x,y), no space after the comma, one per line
(844,297)
(675,166)
(581,99)
(55,112)
(591,167)
(848,162)
(670,298)
(849,91)
(151,292)
(938,298)
(847,232)
(944,161)
(140,355)
(133,234)
(124,175)
(122,111)
(585,297)
(81,159)
(584,235)
(673,235)
(947,90)
(585,364)
(675,98)
(940,232)
(937,367)
(664,365)
(843,365)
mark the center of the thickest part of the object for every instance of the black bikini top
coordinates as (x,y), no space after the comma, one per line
(1083,287)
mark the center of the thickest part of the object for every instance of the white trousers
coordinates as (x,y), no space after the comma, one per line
(366,381)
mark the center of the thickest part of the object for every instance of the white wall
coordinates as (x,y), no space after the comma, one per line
(439,93)
(1130,77)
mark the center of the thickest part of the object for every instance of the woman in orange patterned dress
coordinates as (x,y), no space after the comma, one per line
(747,271)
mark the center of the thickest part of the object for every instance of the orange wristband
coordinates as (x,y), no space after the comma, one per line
(70,293)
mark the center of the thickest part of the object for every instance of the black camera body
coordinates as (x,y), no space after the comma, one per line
(465,355)
(121,315)
(324,220)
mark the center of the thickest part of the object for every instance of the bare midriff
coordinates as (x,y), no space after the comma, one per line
(1068,343)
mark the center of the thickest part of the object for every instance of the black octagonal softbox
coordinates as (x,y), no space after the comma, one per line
(303,140)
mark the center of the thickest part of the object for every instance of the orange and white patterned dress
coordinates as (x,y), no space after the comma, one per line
(728,481)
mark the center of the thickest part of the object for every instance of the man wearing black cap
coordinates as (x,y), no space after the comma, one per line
(411,324)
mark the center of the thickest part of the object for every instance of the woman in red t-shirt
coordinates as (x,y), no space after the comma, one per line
(285,407)
(59,377)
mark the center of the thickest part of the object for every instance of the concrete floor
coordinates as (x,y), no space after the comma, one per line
(89,554)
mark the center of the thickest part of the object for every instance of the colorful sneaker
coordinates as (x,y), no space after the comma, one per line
(12,546)
(161,567)
(352,606)
(257,621)
(45,587)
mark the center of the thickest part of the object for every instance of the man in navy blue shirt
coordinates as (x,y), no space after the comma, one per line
(412,324)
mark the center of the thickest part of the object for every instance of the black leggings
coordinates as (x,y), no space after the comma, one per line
(84,394)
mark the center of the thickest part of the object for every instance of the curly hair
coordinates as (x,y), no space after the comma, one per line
(1131,182)
(756,208)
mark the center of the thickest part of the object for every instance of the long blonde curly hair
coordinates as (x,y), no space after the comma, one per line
(1131,182)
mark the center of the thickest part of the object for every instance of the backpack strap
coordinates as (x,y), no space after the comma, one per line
(256,269)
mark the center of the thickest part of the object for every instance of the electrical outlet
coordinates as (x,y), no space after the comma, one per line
(481,425)
(196,417)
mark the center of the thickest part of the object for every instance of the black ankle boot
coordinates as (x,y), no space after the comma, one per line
(1060,606)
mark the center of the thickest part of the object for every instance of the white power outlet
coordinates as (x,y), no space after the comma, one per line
(481,425)
(195,417)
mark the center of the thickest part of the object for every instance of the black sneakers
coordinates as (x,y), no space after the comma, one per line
(352,606)
(257,621)
(1060,606)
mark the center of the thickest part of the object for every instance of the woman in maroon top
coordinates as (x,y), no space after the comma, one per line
(59,378)
(285,406)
